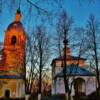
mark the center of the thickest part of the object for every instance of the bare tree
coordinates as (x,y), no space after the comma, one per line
(79,47)
(63,28)
(38,54)
(64,23)
(93,29)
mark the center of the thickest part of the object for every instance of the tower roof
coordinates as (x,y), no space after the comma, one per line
(74,70)
(15,25)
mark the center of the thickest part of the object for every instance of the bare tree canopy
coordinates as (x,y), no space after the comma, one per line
(93,29)
(64,23)
(38,52)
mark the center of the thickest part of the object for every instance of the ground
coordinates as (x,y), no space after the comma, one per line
(93,96)
(62,97)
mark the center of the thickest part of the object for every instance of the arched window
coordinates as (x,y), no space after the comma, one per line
(13,40)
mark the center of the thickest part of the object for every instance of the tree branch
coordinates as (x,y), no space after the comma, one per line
(37,7)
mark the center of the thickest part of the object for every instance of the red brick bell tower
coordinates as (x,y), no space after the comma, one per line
(14,45)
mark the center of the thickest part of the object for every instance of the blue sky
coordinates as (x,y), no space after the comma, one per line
(81,11)
(78,9)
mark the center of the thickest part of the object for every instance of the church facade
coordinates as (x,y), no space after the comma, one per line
(12,62)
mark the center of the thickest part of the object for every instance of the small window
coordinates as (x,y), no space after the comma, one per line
(13,40)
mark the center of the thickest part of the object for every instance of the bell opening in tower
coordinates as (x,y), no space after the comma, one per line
(13,40)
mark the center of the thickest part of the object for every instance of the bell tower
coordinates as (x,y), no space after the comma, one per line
(14,45)
(14,59)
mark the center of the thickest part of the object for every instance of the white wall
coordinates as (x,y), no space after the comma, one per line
(88,87)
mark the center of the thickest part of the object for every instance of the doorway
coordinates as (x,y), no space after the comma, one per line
(7,93)
(79,86)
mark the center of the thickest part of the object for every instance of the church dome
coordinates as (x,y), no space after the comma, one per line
(15,25)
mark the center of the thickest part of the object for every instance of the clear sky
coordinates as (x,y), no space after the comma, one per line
(81,10)
(78,9)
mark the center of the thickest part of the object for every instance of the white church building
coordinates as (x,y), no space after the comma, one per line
(80,80)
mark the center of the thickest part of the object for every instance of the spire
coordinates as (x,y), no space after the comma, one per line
(18,15)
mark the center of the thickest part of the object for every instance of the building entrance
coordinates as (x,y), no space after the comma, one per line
(7,93)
